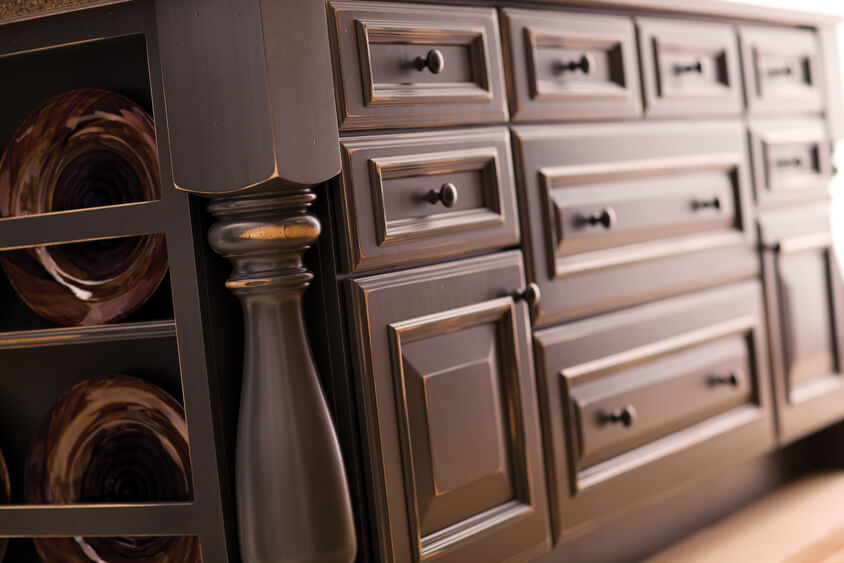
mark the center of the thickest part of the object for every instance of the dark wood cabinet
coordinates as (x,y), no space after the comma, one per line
(805,300)
(449,398)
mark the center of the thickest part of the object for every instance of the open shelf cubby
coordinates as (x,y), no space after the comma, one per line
(166,341)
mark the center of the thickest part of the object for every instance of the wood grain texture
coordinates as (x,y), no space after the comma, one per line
(17,8)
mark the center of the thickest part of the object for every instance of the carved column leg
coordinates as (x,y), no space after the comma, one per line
(292,499)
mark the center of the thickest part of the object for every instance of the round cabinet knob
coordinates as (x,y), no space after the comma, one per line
(730,379)
(447,195)
(625,416)
(585,64)
(434,61)
(530,295)
(605,217)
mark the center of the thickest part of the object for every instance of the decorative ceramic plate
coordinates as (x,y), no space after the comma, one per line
(83,148)
(112,440)
(5,498)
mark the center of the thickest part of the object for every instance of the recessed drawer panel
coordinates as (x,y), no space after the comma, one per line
(791,160)
(689,68)
(426,195)
(571,66)
(445,370)
(623,213)
(781,69)
(410,65)
(640,399)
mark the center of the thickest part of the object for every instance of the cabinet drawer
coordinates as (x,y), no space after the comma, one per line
(410,65)
(570,66)
(689,68)
(426,195)
(639,400)
(805,301)
(622,213)
(781,70)
(447,383)
(791,160)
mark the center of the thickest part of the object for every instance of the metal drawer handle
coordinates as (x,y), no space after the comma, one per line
(605,217)
(530,295)
(773,247)
(714,203)
(782,71)
(786,162)
(697,67)
(585,63)
(625,416)
(447,195)
(434,61)
(728,379)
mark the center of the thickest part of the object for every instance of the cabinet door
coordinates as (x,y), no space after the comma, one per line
(805,308)
(446,370)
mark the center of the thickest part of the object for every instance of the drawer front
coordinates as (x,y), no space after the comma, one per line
(423,196)
(662,206)
(640,399)
(409,65)
(570,66)
(781,70)
(791,160)
(449,403)
(689,68)
(805,302)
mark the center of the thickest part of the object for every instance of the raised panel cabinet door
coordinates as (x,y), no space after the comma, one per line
(647,400)
(621,213)
(781,70)
(566,66)
(409,65)
(445,367)
(805,310)
(689,68)
(415,196)
(791,160)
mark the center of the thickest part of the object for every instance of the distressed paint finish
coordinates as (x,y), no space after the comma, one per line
(293,502)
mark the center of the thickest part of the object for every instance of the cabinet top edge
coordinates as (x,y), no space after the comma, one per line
(13,12)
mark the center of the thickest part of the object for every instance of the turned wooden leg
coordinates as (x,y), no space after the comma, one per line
(292,499)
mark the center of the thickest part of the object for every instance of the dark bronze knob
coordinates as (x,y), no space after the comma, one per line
(447,195)
(782,71)
(697,67)
(714,203)
(625,416)
(530,295)
(585,63)
(728,379)
(433,61)
(605,217)
(786,162)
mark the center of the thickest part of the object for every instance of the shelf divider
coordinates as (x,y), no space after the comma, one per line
(86,334)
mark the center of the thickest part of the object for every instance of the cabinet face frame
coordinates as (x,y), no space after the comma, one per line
(802,407)
(389,314)
(584,499)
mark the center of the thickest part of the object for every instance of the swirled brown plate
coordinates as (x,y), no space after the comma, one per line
(84,148)
(5,498)
(112,440)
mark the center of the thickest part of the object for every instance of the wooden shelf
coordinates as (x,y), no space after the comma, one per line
(130,219)
(86,334)
(172,519)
